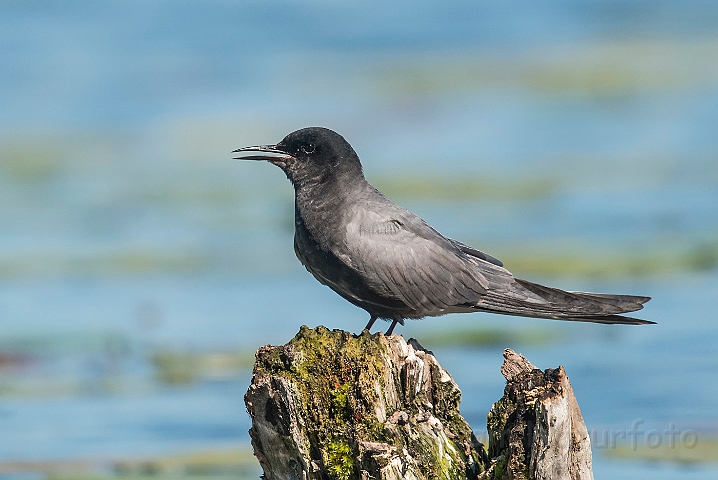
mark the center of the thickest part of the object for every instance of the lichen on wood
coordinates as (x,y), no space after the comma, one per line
(331,405)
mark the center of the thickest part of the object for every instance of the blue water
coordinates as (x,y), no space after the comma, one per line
(126,230)
(620,375)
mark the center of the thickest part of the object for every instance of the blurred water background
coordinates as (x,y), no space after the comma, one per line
(140,267)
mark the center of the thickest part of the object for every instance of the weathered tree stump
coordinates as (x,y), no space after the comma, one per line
(331,405)
(536,430)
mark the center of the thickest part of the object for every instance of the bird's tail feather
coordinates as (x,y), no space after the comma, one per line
(534,300)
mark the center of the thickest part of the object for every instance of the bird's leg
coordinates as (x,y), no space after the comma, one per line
(391,329)
(371,323)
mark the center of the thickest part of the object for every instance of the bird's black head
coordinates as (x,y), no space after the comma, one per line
(310,155)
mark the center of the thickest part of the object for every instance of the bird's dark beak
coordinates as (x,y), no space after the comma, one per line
(278,155)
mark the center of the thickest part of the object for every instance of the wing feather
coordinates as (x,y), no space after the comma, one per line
(401,254)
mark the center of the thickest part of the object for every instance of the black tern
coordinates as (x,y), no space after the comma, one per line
(388,261)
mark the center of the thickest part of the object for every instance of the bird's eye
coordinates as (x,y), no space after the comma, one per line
(309,148)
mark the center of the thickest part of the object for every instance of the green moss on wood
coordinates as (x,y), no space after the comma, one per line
(496,424)
(339,461)
(338,379)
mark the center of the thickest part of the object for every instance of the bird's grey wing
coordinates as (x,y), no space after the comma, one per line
(529,299)
(403,257)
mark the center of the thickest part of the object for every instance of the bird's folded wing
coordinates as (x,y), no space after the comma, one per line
(403,257)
